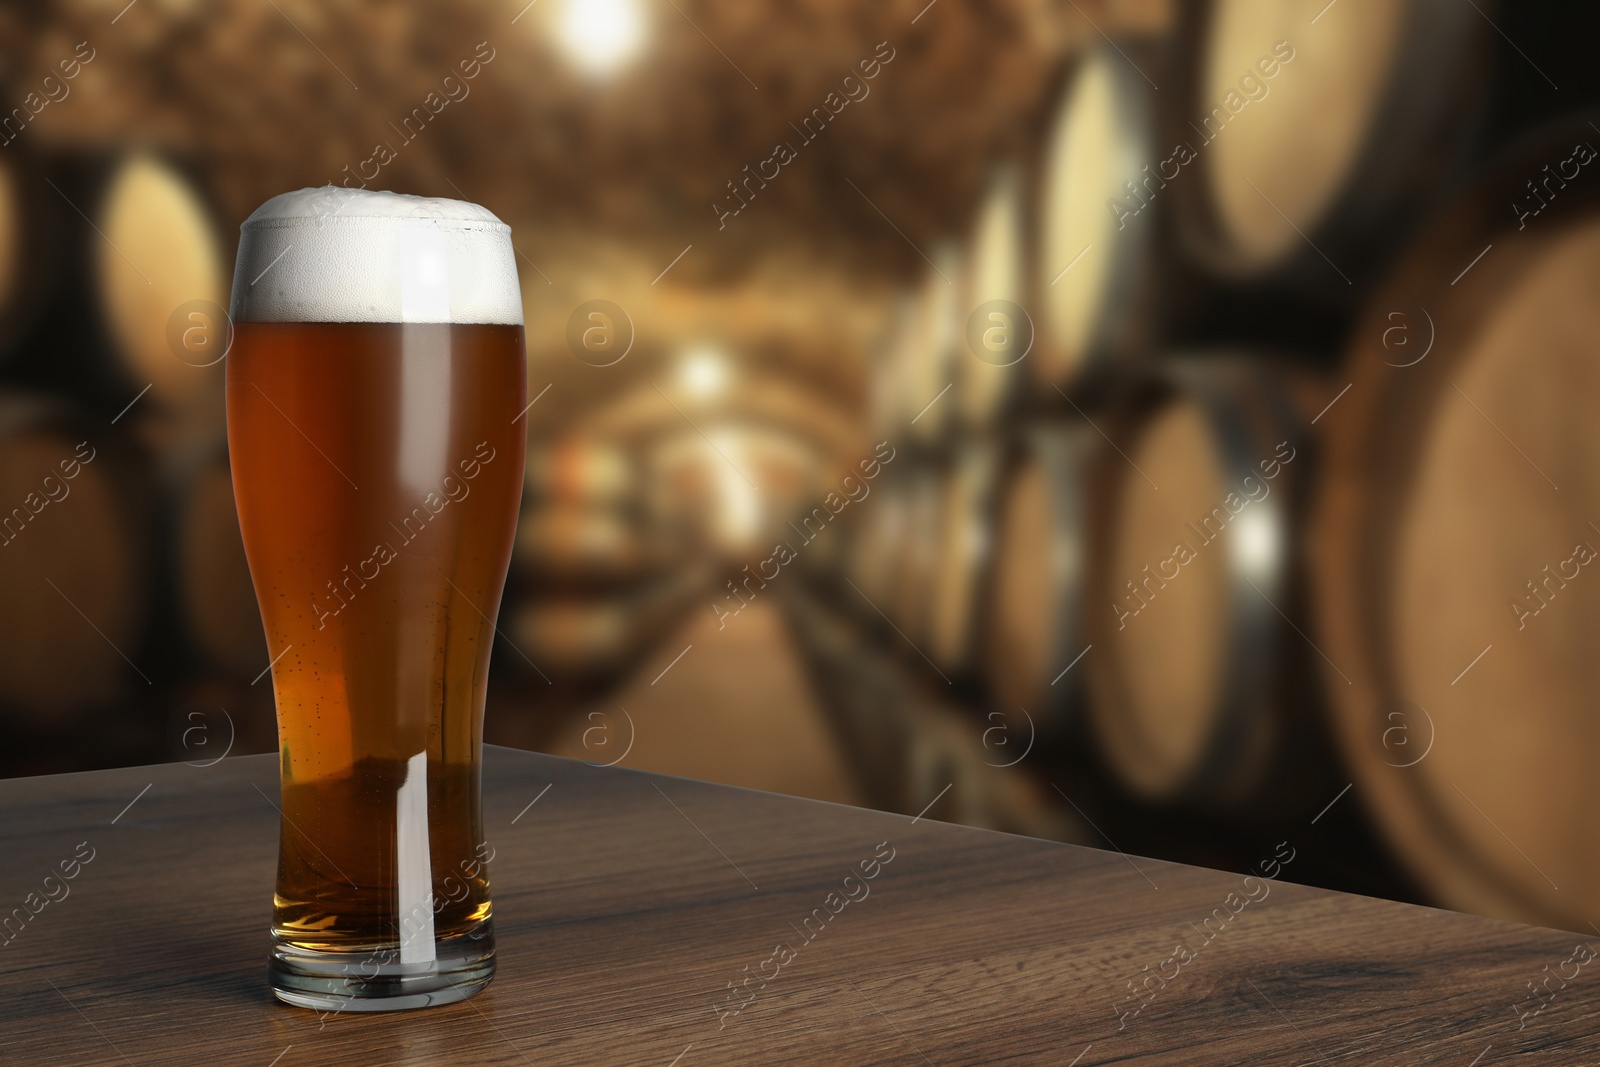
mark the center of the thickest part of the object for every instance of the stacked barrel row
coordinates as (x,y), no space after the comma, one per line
(119,550)
(600,569)
(1236,416)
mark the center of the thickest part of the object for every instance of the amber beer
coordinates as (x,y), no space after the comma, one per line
(375,386)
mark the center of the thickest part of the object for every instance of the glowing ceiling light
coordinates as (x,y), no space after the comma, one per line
(1258,541)
(704,373)
(601,35)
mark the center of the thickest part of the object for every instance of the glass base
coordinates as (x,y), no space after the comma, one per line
(369,981)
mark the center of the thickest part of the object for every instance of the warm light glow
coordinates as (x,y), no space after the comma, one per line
(601,35)
(704,373)
(1258,542)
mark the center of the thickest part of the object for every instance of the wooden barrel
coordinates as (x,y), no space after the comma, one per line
(584,544)
(1454,536)
(964,559)
(873,554)
(1303,137)
(997,330)
(886,393)
(1197,675)
(908,752)
(928,362)
(214,590)
(827,555)
(575,635)
(1091,275)
(12,249)
(916,557)
(581,470)
(1034,630)
(580,635)
(153,211)
(584,523)
(75,552)
(135,288)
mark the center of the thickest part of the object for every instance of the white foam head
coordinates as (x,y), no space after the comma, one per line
(355,255)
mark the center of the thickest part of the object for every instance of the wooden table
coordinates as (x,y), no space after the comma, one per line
(627,903)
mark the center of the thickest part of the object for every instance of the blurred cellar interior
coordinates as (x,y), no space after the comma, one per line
(1083,419)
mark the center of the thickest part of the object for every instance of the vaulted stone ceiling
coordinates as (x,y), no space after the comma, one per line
(275,93)
(604,178)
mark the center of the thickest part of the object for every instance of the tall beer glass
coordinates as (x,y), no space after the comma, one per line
(375,385)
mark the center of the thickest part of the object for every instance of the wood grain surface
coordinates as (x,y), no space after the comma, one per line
(626,904)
